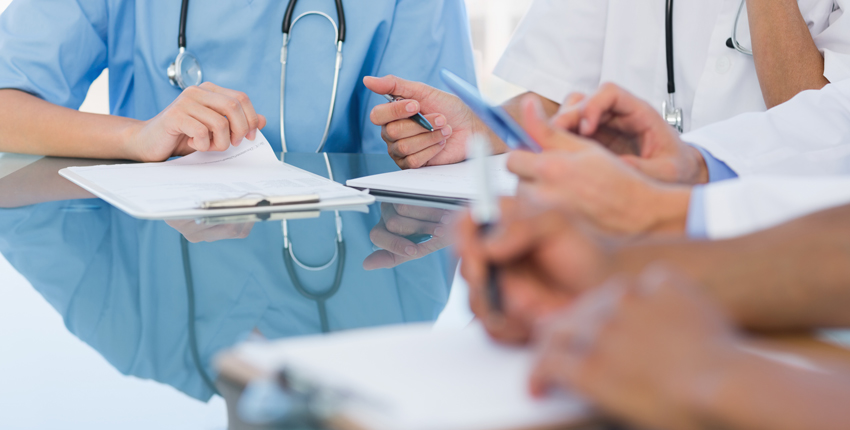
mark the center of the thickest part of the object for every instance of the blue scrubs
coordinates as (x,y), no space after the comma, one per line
(55,49)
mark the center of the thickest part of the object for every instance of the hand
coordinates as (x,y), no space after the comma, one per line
(398,222)
(645,351)
(544,259)
(577,175)
(202,118)
(409,144)
(194,232)
(633,129)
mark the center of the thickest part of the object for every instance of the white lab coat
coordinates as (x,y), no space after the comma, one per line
(563,46)
(792,160)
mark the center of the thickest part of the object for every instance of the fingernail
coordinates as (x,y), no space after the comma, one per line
(410,250)
(446,131)
(440,121)
(412,107)
(439,231)
(443,143)
(584,127)
(445,219)
(252,134)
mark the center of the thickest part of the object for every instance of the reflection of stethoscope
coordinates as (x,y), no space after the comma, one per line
(672,114)
(186,70)
(290,261)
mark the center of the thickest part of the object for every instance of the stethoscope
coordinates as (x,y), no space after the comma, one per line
(671,113)
(290,261)
(186,70)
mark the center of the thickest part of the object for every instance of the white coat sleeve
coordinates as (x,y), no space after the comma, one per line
(741,206)
(557,48)
(834,41)
(808,135)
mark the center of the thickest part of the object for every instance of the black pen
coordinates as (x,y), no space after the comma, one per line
(485,208)
(419,118)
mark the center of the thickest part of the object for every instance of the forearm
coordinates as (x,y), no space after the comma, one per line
(793,276)
(756,393)
(29,125)
(786,58)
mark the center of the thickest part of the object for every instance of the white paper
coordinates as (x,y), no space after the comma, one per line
(248,170)
(414,378)
(450,181)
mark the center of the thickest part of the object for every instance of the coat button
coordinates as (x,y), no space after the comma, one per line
(723,65)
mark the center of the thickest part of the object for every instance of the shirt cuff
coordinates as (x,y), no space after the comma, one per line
(696,225)
(717,170)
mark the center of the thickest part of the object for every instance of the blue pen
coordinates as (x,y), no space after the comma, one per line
(419,118)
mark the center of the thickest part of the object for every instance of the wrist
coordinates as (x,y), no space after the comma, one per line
(665,209)
(698,170)
(128,138)
(708,396)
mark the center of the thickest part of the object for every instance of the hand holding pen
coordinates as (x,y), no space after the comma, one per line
(418,118)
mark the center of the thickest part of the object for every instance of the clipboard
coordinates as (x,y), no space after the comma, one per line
(408,377)
(292,203)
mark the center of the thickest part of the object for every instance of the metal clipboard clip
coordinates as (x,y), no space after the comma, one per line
(260,201)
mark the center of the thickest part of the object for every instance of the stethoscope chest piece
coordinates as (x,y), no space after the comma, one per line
(185,71)
(672,114)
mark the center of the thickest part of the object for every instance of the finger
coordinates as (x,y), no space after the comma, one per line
(519,237)
(394,243)
(217,124)
(402,129)
(403,226)
(610,101)
(387,113)
(422,213)
(567,119)
(231,108)
(411,145)
(383,259)
(199,134)
(398,87)
(253,119)
(537,126)
(574,99)
(423,157)
(524,165)
(401,219)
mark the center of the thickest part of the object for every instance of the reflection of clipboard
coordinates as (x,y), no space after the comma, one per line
(409,377)
(448,204)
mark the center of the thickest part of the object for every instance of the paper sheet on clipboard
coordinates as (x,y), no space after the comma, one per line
(177,188)
(453,181)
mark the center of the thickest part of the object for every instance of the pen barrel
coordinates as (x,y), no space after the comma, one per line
(494,292)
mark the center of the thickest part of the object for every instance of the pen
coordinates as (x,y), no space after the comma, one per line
(419,118)
(485,208)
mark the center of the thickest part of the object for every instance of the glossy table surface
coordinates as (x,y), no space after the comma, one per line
(112,322)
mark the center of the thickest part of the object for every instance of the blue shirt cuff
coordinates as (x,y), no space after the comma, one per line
(717,170)
(696,225)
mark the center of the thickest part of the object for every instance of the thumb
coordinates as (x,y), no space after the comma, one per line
(396,86)
(537,126)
